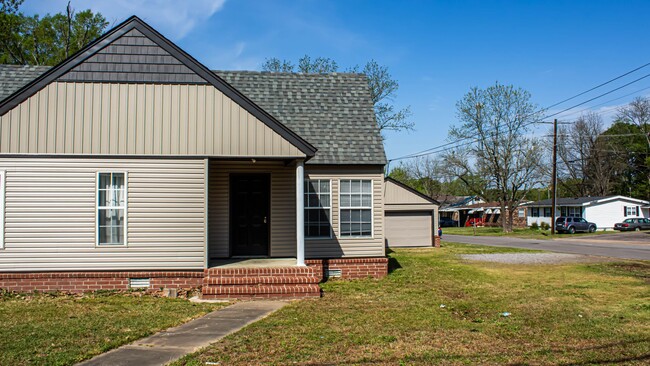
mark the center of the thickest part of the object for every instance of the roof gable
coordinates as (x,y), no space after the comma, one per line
(398,193)
(133,58)
(180,68)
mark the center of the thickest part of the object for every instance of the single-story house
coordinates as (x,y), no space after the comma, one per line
(452,206)
(603,211)
(489,214)
(411,218)
(131,164)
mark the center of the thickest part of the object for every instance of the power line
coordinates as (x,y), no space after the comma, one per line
(606,102)
(600,85)
(436,148)
(599,96)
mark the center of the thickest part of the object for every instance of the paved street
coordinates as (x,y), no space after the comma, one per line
(626,245)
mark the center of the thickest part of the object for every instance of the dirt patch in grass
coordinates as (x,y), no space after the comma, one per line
(46,329)
(558,314)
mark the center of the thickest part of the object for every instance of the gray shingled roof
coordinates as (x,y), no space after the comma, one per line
(13,77)
(333,112)
(577,201)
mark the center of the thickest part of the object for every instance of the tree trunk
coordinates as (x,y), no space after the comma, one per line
(504,219)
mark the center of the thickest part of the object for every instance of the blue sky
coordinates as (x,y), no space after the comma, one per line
(437,50)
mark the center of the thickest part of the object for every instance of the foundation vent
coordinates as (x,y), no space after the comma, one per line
(331,273)
(139,282)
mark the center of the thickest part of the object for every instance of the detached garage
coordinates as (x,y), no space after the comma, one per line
(411,218)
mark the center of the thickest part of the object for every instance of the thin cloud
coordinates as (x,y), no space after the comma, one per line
(174,19)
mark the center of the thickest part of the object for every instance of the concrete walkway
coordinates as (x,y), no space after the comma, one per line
(173,343)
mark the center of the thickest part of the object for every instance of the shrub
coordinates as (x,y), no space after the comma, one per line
(545,226)
(534,226)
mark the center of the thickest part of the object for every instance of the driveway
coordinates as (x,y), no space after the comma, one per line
(624,245)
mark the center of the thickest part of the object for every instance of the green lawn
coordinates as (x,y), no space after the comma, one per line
(62,330)
(526,233)
(497,231)
(560,314)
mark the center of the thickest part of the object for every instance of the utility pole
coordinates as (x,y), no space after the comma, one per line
(554,178)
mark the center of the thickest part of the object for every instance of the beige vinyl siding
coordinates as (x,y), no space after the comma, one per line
(349,247)
(51,211)
(283,205)
(136,119)
(396,195)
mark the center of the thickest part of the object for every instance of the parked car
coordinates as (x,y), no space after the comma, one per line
(633,224)
(447,222)
(474,221)
(572,225)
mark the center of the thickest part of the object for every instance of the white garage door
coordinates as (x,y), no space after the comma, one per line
(408,229)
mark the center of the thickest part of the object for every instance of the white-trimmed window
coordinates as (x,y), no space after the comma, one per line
(355,205)
(111,208)
(2,209)
(318,208)
(534,212)
(631,211)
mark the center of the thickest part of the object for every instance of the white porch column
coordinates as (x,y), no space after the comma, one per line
(300,213)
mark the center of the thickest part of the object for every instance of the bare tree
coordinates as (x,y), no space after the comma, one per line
(637,112)
(426,171)
(498,160)
(577,148)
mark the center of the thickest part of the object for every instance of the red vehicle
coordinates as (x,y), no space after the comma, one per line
(474,221)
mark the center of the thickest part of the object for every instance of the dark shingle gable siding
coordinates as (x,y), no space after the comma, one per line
(133,58)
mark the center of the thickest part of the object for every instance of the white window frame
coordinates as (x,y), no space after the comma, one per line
(306,192)
(3,182)
(125,208)
(372,208)
(629,211)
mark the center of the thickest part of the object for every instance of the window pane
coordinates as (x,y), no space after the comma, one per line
(356,216)
(345,229)
(104,180)
(366,229)
(313,200)
(366,200)
(118,180)
(365,216)
(324,231)
(324,186)
(312,186)
(355,200)
(102,199)
(355,229)
(324,216)
(355,186)
(345,186)
(325,200)
(345,200)
(367,186)
(345,215)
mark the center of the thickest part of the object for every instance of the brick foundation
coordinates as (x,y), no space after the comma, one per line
(351,268)
(436,241)
(219,283)
(92,281)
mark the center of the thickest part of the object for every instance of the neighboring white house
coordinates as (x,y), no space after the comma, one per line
(603,211)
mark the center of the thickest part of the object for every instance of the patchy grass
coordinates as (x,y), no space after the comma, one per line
(560,314)
(526,233)
(497,231)
(47,329)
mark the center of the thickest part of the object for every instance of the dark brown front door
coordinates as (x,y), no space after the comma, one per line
(249,214)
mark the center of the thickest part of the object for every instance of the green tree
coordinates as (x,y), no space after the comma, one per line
(498,160)
(626,144)
(47,40)
(383,87)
